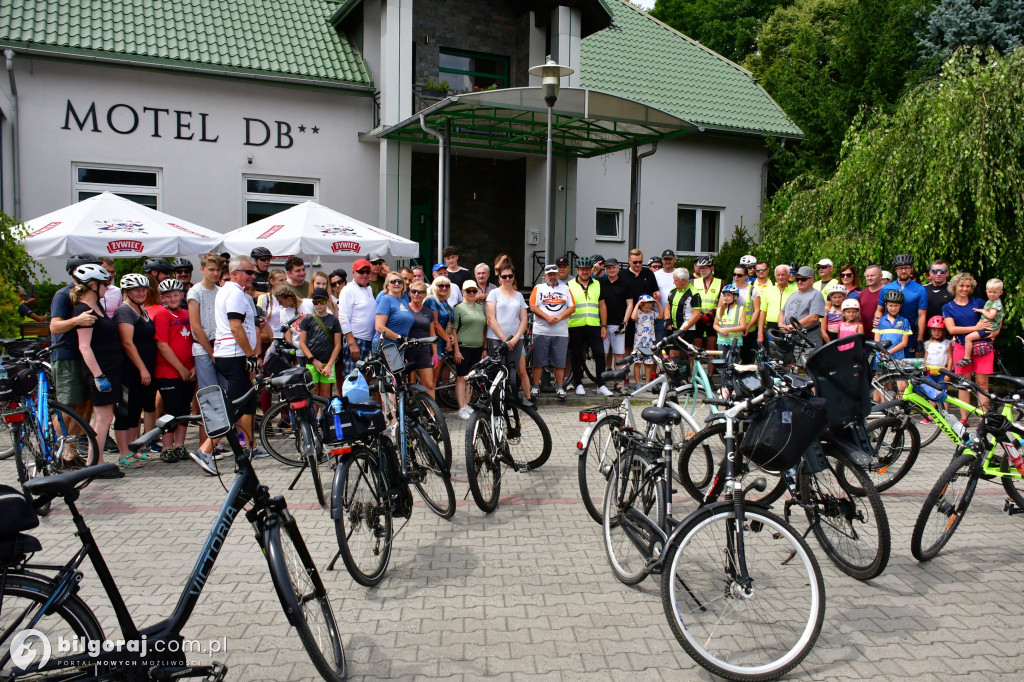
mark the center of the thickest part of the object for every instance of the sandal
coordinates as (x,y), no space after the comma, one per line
(168,456)
(963,362)
(130,461)
(181,452)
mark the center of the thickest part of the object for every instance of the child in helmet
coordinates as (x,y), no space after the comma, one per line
(644,316)
(938,349)
(893,327)
(850,323)
(834,297)
(730,318)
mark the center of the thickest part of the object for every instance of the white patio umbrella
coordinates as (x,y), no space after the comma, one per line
(310,229)
(110,225)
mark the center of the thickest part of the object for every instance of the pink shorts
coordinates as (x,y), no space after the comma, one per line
(980,364)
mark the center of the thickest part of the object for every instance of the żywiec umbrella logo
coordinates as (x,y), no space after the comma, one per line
(116,225)
(123,245)
(345,246)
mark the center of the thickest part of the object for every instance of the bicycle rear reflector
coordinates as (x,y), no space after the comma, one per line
(14,417)
(298,404)
(340,451)
(588,415)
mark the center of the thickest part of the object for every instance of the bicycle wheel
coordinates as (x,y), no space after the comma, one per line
(433,420)
(23,598)
(852,529)
(66,428)
(431,478)
(690,397)
(525,430)
(944,508)
(304,598)
(445,390)
(362,517)
(278,435)
(630,498)
(6,437)
(482,463)
(311,454)
(894,449)
(758,631)
(927,429)
(595,464)
(701,456)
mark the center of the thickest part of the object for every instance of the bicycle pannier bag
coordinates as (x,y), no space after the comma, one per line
(16,512)
(358,420)
(778,435)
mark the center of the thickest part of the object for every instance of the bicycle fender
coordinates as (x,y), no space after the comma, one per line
(587,432)
(851,450)
(713,507)
(419,388)
(432,449)
(337,490)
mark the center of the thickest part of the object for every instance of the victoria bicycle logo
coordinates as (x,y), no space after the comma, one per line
(124,245)
(24,652)
(130,225)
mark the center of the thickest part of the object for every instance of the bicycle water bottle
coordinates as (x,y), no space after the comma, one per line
(336,411)
(1013,454)
(955,424)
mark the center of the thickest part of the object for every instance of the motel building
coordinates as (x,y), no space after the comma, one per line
(418,116)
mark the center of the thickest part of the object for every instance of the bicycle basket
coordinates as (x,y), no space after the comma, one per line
(16,512)
(843,379)
(357,421)
(778,435)
(294,383)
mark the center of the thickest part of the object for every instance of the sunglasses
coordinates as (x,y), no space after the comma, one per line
(636,262)
(760,269)
(739,274)
(939,272)
(802,279)
(319,301)
(336,283)
(470,291)
(251,273)
(364,271)
(508,276)
(265,259)
(396,281)
(183,271)
(824,267)
(846,275)
(417,291)
(444,286)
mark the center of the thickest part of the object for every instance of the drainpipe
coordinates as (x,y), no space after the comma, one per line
(9,54)
(634,192)
(764,175)
(447,181)
(440,185)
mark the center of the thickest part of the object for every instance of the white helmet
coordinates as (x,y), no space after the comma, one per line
(134,281)
(748,261)
(836,288)
(90,272)
(171,284)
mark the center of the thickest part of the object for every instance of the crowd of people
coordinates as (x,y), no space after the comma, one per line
(124,354)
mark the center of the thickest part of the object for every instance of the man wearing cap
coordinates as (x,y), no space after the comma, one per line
(455,273)
(825,268)
(664,278)
(587,325)
(357,311)
(377,273)
(552,305)
(615,290)
(806,304)
(563,270)
(597,272)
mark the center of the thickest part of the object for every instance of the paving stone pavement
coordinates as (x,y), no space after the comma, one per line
(526,592)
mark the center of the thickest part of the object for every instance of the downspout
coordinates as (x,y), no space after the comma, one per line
(440,185)
(634,192)
(9,54)
(447,181)
(764,174)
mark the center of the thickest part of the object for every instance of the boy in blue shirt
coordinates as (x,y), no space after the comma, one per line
(894,328)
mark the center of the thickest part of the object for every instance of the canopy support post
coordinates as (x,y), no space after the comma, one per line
(442,217)
(634,191)
(447,181)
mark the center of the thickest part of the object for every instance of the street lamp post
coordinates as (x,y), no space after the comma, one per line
(551,75)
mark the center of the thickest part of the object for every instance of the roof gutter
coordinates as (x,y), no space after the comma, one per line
(9,55)
(364,90)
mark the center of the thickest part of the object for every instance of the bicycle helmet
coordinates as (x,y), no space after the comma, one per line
(134,281)
(850,303)
(644,298)
(261,252)
(158,264)
(935,322)
(836,288)
(169,285)
(81,259)
(731,289)
(748,261)
(894,296)
(90,272)
(903,259)
(584,262)
(181,264)
(704,262)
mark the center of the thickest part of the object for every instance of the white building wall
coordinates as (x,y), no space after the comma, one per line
(707,170)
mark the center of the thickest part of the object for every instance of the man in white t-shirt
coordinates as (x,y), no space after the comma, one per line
(551,305)
(665,285)
(357,311)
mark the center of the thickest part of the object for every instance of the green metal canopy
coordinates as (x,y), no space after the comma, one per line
(586,123)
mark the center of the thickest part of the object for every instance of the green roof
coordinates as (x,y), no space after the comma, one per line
(641,58)
(282,39)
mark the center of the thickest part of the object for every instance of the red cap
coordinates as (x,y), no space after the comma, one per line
(360,264)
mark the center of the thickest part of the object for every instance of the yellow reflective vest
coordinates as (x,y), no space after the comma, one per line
(708,295)
(588,312)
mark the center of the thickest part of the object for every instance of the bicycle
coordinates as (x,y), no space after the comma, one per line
(975,460)
(498,436)
(371,485)
(33,599)
(12,350)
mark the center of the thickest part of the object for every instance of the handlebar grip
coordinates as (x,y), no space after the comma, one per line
(145,440)
(952,375)
(716,401)
(624,361)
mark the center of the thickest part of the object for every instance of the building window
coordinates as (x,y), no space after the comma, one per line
(698,229)
(267,196)
(141,185)
(472,71)
(609,225)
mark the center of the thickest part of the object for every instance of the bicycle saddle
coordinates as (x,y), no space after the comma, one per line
(64,485)
(614,375)
(660,415)
(1016,381)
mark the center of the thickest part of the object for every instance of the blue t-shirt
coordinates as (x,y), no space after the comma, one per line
(61,307)
(405,296)
(963,315)
(399,316)
(894,331)
(444,311)
(915,299)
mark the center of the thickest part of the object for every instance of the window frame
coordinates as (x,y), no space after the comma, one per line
(618,213)
(458,52)
(78,186)
(699,249)
(291,199)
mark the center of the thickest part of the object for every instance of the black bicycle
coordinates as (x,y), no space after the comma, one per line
(31,598)
(371,485)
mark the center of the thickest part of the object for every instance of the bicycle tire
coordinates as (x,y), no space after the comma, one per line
(523,435)
(433,479)
(708,445)
(928,431)
(6,438)
(595,463)
(1014,487)
(312,457)
(895,445)
(724,630)
(483,466)
(690,398)
(944,508)
(445,390)
(852,528)
(628,498)
(434,422)
(282,441)
(304,598)
(362,517)
(24,596)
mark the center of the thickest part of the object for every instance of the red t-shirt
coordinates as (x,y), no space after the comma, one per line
(868,302)
(172,328)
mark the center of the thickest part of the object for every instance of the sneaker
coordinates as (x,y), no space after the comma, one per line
(580,390)
(926,420)
(153,447)
(464,413)
(535,391)
(603,390)
(204,460)
(111,446)
(560,393)
(259,453)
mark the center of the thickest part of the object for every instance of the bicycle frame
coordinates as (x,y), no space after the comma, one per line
(939,417)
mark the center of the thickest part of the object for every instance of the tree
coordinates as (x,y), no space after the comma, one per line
(729,27)
(973,23)
(14,262)
(943,176)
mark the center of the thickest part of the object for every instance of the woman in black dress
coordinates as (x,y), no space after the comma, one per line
(100,346)
(138,345)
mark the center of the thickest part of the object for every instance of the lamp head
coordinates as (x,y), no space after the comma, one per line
(551,75)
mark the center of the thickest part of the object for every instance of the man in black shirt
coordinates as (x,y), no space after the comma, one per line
(937,287)
(261,259)
(617,301)
(641,281)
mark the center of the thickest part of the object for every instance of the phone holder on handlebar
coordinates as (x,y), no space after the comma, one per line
(214,408)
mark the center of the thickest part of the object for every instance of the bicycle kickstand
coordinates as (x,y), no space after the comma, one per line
(295,480)
(1012,509)
(215,672)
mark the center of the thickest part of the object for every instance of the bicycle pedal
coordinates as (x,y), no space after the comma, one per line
(1012,509)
